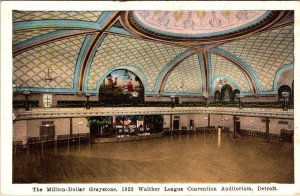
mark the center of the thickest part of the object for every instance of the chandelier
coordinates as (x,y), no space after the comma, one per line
(48,78)
(182,86)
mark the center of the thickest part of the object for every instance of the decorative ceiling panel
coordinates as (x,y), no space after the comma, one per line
(266,53)
(30,67)
(222,67)
(149,56)
(20,36)
(185,78)
(52,15)
(199,22)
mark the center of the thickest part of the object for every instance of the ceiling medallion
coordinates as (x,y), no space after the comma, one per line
(200,25)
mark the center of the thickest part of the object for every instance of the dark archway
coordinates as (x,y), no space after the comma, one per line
(121,87)
(235,95)
(284,88)
(217,96)
(226,93)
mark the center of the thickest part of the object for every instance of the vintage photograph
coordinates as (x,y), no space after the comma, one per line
(153,96)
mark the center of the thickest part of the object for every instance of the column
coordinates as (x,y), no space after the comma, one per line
(71,127)
(267,129)
(208,120)
(234,126)
(240,103)
(87,104)
(26,94)
(171,123)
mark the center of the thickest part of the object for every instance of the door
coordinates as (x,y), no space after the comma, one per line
(238,127)
(191,124)
(47,131)
(176,124)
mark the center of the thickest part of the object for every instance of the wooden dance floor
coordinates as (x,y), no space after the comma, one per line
(172,159)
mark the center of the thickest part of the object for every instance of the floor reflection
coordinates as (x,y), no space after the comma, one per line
(200,158)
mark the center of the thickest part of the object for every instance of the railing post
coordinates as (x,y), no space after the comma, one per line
(267,129)
(234,127)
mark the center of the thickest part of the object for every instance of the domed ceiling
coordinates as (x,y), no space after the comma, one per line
(182,53)
(197,23)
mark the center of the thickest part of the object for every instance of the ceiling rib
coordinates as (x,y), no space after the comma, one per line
(206,70)
(48,40)
(91,47)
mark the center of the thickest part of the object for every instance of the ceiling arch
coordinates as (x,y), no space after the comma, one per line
(166,69)
(108,41)
(278,76)
(247,70)
(184,79)
(134,69)
(30,67)
(221,67)
(265,53)
(117,51)
(46,38)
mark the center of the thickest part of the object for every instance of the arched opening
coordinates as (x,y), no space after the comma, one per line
(226,93)
(217,96)
(235,95)
(284,89)
(121,87)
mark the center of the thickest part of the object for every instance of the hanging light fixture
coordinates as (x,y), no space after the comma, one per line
(48,78)
(182,86)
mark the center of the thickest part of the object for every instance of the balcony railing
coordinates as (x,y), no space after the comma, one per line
(78,104)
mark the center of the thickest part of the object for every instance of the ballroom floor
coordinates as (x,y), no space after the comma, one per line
(180,158)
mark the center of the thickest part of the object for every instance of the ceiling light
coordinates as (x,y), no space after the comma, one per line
(48,78)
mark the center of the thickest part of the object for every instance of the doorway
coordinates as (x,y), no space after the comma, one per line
(176,124)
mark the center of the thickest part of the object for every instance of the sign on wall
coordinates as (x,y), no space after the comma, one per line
(47,100)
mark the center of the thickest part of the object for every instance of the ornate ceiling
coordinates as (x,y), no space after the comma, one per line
(180,53)
(197,23)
